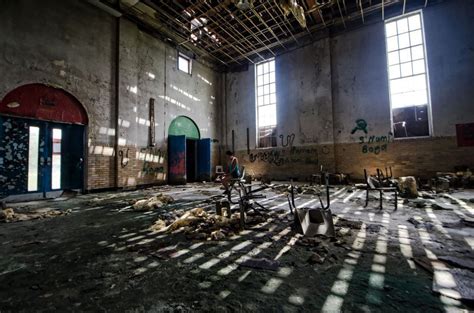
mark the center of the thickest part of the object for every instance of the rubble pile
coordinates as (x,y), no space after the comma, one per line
(202,225)
(407,186)
(9,215)
(152,203)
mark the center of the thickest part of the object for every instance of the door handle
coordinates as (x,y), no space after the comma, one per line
(79,164)
(41,161)
(48,161)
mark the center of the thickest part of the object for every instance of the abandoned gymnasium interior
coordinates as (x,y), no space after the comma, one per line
(237,156)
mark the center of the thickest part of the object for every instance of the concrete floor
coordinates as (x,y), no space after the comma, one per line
(103,257)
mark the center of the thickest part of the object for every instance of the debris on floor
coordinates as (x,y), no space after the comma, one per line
(417,222)
(9,215)
(458,262)
(442,206)
(342,222)
(315,258)
(152,203)
(199,224)
(454,283)
(407,186)
(262,263)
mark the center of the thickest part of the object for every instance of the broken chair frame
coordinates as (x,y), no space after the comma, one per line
(370,186)
(313,221)
(247,201)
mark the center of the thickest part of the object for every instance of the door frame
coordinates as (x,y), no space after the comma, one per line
(39,195)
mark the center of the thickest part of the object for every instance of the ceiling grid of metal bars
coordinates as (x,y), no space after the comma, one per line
(223,33)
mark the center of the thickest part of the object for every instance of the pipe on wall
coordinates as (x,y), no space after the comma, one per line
(117,102)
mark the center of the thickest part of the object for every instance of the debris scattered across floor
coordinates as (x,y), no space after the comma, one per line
(454,283)
(417,222)
(408,187)
(262,263)
(458,262)
(200,224)
(9,215)
(152,203)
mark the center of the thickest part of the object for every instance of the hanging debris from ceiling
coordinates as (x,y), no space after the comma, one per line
(292,6)
(244,4)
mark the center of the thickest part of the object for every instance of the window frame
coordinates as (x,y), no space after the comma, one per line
(188,59)
(256,86)
(425,58)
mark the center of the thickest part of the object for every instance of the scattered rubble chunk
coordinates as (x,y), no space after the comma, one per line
(427,195)
(152,203)
(373,228)
(262,263)
(9,215)
(420,223)
(217,235)
(417,203)
(342,222)
(408,187)
(454,283)
(442,206)
(315,258)
(458,262)
(424,263)
(158,225)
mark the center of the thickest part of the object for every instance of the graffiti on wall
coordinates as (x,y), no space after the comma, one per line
(361,125)
(289,140)
(375,144)
(153,160)
(123,158)
(279,157)
(371,143)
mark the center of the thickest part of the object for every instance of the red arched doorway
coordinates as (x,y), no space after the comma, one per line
(42,140)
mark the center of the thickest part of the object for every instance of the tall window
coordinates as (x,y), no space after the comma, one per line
(266,104)
(408,76)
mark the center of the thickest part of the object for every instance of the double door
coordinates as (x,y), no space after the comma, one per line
(40,158)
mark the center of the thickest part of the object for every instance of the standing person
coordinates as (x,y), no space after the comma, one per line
(232,170)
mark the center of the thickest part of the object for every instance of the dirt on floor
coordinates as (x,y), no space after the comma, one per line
(104,256)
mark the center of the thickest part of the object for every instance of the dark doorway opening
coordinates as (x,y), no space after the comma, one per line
(191,160)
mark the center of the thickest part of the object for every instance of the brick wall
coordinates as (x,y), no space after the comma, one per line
(284,163)
(418,157)
(101,168)
(142,166)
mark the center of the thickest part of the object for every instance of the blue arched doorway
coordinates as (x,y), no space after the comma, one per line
(189,156)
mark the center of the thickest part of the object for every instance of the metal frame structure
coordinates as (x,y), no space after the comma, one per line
(222,34)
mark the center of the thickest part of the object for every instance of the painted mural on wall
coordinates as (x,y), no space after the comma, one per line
(369,143)
(13,156)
